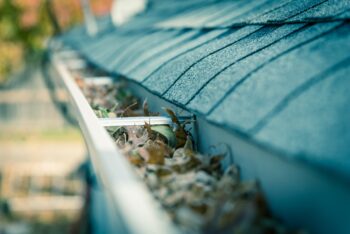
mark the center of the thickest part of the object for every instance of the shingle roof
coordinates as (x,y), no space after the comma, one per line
(274,71)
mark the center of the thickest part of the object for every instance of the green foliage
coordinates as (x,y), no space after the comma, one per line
(9,20)
(18,41)
(12,28)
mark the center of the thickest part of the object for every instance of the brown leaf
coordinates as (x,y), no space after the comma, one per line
(172,116)
(136,159)
(128,110)
(137,135)
(152,153)
(181,135)
(148,129)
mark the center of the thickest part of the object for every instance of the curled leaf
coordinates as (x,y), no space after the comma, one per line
(148,129)
(128,110)
(181,135)
(173,116)
(165,132)
(152,153)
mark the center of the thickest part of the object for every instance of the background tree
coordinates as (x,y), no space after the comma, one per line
(25,25)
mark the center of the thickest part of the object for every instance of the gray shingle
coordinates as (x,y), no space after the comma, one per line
(327,10)
(115,48)
(256,97)
(104,52)
(220,15)
(283,85)
(158,49)
(129,49)
(256,11)
(286,11)
(188,19)
(163,78)
(215,90)
(145,45)
(344,15)
(186,87)
(146,68)
(242,9)
(317,123)
(197,18)
(117,59)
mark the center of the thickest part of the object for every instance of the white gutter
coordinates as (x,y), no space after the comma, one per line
(130,196)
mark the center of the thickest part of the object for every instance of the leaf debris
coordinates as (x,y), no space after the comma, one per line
(199,195)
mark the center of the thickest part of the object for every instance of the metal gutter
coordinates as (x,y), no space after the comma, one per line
(135,121)
(129,195)
(300,195)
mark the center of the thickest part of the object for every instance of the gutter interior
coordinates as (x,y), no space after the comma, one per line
(300,194)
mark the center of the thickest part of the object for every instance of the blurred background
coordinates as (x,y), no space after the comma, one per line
(25,25)
(42,189)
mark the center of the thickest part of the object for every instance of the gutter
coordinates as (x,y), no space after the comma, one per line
(300,194)
(129,196)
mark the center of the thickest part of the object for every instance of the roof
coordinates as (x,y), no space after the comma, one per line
(276,72)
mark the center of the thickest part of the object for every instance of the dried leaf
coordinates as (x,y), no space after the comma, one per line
(172,115)
(128,110)
(137,135)
(136,159)
(166,132)
(149,130)
(152,153)
(191,187)
(181,135)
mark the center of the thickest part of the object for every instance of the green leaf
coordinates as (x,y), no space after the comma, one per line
(166,132)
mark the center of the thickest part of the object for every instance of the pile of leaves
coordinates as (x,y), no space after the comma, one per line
(199,195)
(111,100)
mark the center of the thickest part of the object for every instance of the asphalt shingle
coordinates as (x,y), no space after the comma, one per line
(289,10)
(276,71)
(105,51)
(260,9)
(145,45)
(330,9)
(139,43)
(198,17)
(256,97)
(146,68)
(159,49)
(245,9)
(194,78)
(318,121)
(163,78)
(215,90)
(259,12)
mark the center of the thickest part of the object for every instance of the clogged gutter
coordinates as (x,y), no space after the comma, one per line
(199,195)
